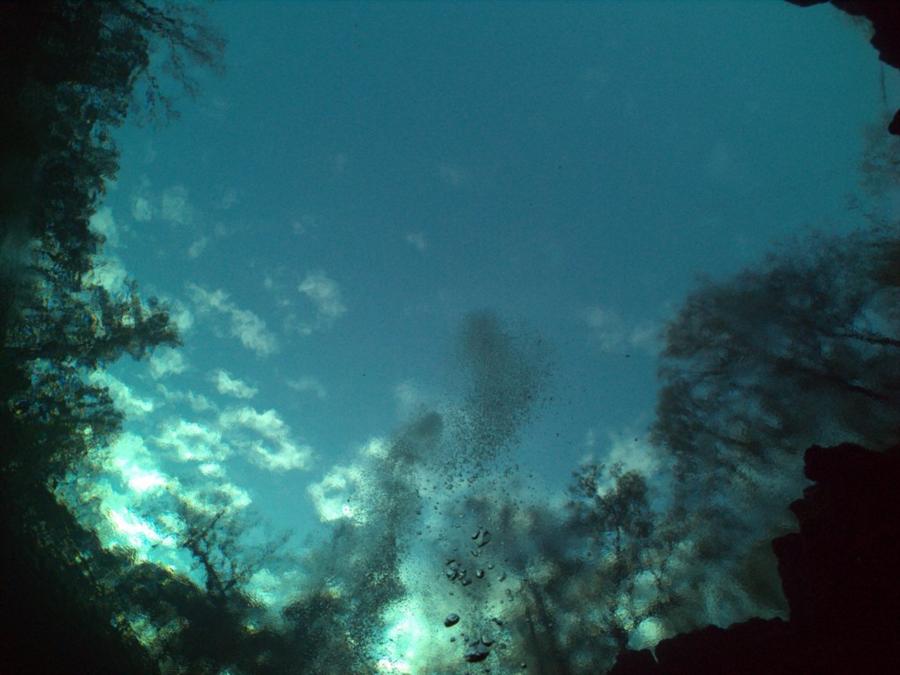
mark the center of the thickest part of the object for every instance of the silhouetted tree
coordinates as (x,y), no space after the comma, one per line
(215,626)
(68,71)
(629,577)
(802,348)
(798,350)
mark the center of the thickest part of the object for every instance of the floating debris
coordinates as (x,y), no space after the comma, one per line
(451,620)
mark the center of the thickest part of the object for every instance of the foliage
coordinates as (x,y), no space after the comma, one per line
(780,356)
(70,71)
(208,629)
(68,74)
(631,573)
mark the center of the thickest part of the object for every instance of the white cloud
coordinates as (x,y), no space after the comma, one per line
(175,205)
(193,442)
(417,240)
(325,295)
(646,336)
(252,332)
(102,223)
(107,271)
(276,450)
(612,333)
(606,326)
(332,496)
(138,532)
(228,385)
(195,250)
(633,453)
(166,361)
(181,316)
(244,324)
(409,398)
(212,470)
(375,447)
(347,491)
(307,384)
(133,462)
(198,402)
(122,396)
(647,634)
(141,209)
(212,497)
(120,526)
(285,457)
(274,590)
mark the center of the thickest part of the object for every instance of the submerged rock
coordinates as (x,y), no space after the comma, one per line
(451,620)
(477,651)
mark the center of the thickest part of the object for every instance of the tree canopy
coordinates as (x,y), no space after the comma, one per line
(803,348)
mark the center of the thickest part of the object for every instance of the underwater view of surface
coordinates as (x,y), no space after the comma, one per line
(455,337)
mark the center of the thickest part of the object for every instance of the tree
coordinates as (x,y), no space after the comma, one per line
(803,349)
(54,335)
(582,579)
(630,576)
(800,350)
(215,626)
(67,76)
(69,73)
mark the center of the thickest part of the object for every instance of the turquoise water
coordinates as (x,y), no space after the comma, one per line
(421,258)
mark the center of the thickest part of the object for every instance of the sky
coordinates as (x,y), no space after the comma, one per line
(365,175)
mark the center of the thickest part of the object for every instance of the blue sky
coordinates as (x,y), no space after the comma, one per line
(364,175)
